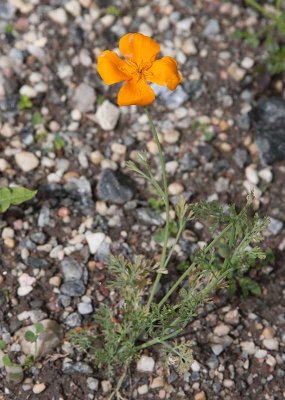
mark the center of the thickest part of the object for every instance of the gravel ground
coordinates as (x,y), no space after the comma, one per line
(223,131)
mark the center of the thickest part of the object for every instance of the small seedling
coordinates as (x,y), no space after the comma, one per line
(156,203)
(58,143)
(113,10)
(25,103)
(37,118)
(33,337)
(9,29)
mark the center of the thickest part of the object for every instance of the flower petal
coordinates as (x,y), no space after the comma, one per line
(135,92)
(112,68)
(164,72)
(138,48)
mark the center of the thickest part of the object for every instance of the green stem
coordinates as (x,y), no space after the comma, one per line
(166,202)
(186,273)
(158,340)
(261,9)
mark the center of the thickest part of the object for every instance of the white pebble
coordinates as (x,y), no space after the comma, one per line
(145,364)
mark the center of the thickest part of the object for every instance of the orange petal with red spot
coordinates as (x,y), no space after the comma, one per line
(138,48)
(112,68)
(135,92)
(164,72)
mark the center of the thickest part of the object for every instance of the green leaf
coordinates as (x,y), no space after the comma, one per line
(37,118)
(113,10)
(14,196)
(2,344)
(7,361)
(58,143)
(39,327)
(31,337)
(248,285)
(25,103)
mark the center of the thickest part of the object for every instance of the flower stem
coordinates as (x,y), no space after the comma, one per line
(163,264)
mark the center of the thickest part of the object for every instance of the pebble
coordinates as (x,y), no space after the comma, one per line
(73,320)
(217,349)
(171,136)
(94,240)
(113,187)
(236,73)
(58,15)
(212,28)
(73,7)
(260,353)
(195,366)
(84,308)
(228,383)
(71,368)
(93,384)
(275,226)
(251,174)
(145,364)
(107,115)
(71,269)
(157,382)
(149,217)
(84,98)
(39,388)
(143,389)
(222,330)
(247,63)
(26,161)
(175,188)
(74,288)
(200,396)
(232,317)
(270,344)
(248,347)
(106,386)
(96,157)
(268,333)
(266,174)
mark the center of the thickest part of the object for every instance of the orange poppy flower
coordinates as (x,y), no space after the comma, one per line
(140,66)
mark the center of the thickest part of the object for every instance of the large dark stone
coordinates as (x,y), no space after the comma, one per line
(74,288)
(114,187)
(268,120)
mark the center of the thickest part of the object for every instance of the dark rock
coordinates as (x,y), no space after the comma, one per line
(149,217)
(243,122)
(73,288)
(37,262)
(188,163)
(77,368)
(220,165)
(38,237)
(195,89)
(241,158)
(114,187)
(73,320)
(9,103)
(171,100)
(3,299)
(71,269)
(268,119)
(206,151)
(64,300)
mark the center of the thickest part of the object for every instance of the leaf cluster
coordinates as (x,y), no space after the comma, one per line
(14,196)
(272,37)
